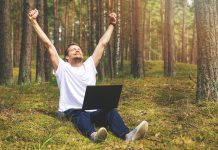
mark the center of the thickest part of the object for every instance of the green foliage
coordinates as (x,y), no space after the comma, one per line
(28,119)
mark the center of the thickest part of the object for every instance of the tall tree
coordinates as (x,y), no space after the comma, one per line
(207,35)
(91,28)
(6,64)
(184,38)
(137,58)
(99,31)
(193,58)
(122,33)
(66,24)
(149,47)
(162,28)
(74,20)
(17,14)
(111,45)
(169,52)
(144,38)
(82,40)
(26,45)
(56,25)
(47,61)
(117,39)
(40,52)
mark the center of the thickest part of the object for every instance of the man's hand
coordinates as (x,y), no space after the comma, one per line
(33,14)
(99,50)
(113,18)
(53,55)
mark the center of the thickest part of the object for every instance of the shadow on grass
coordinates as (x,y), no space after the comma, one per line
(50,113)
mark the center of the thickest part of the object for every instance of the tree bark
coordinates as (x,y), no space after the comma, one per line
(6,56)
(82,27)
(169,52)
(137,58)
(99,31)
(66,26)
(26,45)
(111,46)
(184,44)
(17,31)
(194,46)
(91,28)
(47,60)
(74,20)
(117,41)
(56,26)
(40,52)
(207,35)
(162,29)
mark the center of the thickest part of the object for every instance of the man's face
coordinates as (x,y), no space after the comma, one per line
(74,52)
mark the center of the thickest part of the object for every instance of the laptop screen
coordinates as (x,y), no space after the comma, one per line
(102,97)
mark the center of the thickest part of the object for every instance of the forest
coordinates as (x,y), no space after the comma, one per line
(163,52)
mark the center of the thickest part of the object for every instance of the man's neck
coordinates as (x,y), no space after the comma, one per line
(76,63)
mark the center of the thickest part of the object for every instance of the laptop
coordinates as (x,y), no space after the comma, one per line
(102,97)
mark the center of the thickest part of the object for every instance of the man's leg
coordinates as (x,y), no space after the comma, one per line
(81,120)
(112,119)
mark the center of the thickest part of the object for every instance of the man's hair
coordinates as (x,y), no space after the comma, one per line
(66,50)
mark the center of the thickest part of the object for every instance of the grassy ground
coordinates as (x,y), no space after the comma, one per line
(28,120)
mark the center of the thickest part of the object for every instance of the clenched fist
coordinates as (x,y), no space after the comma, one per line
(33,14)
(113,18)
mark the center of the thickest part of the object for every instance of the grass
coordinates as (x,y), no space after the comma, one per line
(28,120)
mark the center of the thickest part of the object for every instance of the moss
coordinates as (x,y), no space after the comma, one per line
(28,121)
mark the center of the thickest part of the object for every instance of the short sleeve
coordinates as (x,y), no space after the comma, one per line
(61,66)
(90,63)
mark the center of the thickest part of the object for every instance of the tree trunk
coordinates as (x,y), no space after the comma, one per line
(137,58)
(111,46)
(91,28)
(194,46)
(117,41)
(184,44)
(149,37)
(56,26)
(169,54)
(99,30)
(81,43)
(17,31)
(69,34)
(144,30)
(207,35)
(74,20)
(6,56)
(83,27)
(26,45)
(162,28)
(47,60)
(40,67)
(65,22)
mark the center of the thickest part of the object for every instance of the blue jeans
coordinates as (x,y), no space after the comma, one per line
(109,119)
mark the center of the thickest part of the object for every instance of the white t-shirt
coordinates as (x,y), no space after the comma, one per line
(72,82)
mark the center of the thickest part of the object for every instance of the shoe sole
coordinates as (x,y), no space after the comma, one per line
(140,133)
(102,134)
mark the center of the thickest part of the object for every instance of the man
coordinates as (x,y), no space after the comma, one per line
(73,76)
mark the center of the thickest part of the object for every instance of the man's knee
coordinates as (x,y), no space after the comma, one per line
(112,113)
(83,116)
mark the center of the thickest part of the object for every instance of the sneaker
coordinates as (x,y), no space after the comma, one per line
(99,136)
(138,133)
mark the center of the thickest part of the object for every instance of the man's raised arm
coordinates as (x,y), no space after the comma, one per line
(99,50)
(53,55)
